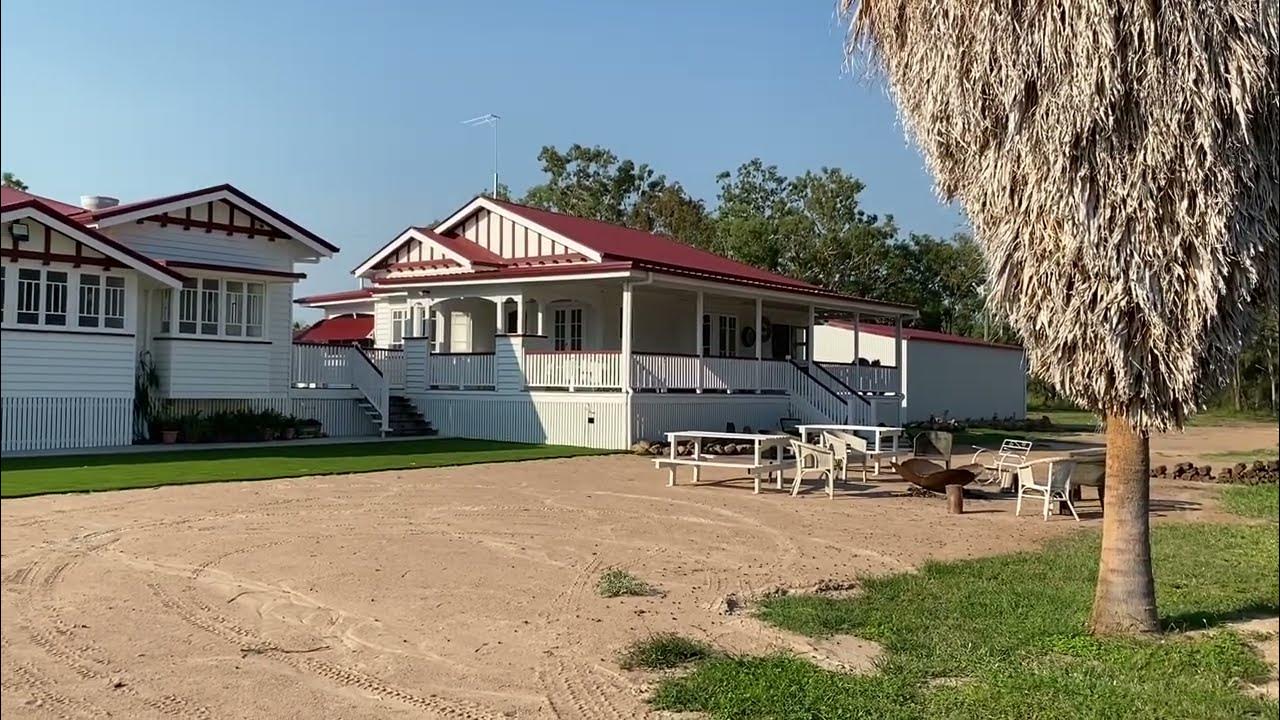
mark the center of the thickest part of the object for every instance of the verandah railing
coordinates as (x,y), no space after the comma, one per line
(573,370)
(867,378)
(323,365)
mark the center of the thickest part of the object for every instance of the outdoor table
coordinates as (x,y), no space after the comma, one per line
(756,466)
(879,434)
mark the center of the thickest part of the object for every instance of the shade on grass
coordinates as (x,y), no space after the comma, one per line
(77,473)
(1007,637)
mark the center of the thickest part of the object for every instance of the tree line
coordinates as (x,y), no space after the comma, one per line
(814,227)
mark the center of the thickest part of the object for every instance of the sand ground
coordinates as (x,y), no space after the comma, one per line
(455,592)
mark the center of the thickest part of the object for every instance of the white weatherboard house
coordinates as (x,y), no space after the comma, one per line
(200,282)
(943,375)
(513,323)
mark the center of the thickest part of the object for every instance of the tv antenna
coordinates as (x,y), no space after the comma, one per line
(492,120)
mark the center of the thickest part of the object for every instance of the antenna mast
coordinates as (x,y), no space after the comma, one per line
(489,119)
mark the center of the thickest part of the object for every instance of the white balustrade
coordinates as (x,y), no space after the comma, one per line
(867,378)
(368,379)
(664,372)
(391,362)
(460,370)
(573,370)
(316,365)
(721,374)
(828,405)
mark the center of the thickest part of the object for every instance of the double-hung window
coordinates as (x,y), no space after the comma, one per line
(397,327)
(90,313)
(101,301)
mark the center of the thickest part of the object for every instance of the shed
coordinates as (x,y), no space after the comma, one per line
(942,374)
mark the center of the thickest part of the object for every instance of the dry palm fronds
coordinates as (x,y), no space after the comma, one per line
(1118,162)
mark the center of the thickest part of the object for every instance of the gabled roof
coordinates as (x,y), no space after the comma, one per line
(473,252)
(341,328)
(10,196)
(125,212)
(925,335)
(650,249)
(37,210)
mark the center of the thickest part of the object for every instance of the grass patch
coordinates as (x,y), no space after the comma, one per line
(1256,501)
(1013,628)
(1246,456)
(616,582)
(663,652)
(83,473)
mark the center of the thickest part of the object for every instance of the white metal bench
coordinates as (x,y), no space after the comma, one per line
(756,465)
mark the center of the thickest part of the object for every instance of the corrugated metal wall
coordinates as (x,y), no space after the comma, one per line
(597,420)
(658,413)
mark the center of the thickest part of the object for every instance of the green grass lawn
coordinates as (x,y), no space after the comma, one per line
(81,473)
(1257,501)
(1004,637)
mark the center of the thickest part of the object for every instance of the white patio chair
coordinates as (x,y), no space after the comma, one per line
(816,459)
(1004,462)
(845,446)
(1056,487)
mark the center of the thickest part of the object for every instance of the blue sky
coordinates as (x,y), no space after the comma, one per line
(346,116)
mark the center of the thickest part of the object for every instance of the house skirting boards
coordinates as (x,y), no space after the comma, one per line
(52,422)
(337,410)
(596,420)
(65,422)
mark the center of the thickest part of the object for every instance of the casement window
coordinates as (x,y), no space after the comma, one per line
(90,312)
(42,297)
(566,328)
(101,301)
(212,307)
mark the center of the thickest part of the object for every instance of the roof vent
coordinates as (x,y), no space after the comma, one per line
(98,202)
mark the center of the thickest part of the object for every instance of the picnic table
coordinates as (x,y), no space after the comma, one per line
(878,433)
(756,465)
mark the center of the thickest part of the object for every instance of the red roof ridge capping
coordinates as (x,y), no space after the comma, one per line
(926,335)
(360,294)
(623,243)
(13,196)
(339,328)
(472,251)
(94,215)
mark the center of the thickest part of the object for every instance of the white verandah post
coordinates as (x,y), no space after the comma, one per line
(697,324)
(808,338)
(759,344)
(857,368)
(624,372)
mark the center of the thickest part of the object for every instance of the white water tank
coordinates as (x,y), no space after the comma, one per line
(98,202)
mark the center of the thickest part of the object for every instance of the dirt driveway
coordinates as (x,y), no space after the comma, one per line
(457,592)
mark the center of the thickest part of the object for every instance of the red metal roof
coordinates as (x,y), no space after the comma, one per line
(10,196)
(473,252)
(926,335)
(622,243)
(361,294)
(338,329)
(95,215)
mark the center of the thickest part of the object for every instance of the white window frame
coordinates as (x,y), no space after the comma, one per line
(121,287)
(399,323)
(238,310)
(717,328)
(563,324)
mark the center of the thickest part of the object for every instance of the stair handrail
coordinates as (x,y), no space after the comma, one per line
(834,378)
(376,392)
(837,397)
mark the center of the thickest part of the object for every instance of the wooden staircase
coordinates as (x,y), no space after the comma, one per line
(403,419)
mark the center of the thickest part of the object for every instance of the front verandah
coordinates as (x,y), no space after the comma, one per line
(612,335)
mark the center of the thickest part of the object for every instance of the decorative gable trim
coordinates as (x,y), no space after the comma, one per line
(466,211)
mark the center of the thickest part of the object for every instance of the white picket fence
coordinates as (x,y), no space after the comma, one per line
(59,422)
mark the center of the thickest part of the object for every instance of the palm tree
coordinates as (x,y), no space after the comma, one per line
(1118,163)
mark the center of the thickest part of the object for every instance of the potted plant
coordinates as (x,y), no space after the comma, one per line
(309,428)
(289,427)
(193,427)
(168,424)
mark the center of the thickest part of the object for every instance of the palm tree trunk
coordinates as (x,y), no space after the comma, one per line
(1124,602)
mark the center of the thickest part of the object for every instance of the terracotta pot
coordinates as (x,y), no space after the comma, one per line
(168,437)
(289,433)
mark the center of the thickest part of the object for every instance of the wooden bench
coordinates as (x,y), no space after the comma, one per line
(754,465)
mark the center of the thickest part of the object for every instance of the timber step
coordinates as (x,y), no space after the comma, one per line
(403,418)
